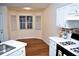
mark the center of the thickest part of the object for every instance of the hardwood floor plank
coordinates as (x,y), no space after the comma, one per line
(35,47)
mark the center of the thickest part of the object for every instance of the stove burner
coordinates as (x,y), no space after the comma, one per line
(75,49)
(67,43)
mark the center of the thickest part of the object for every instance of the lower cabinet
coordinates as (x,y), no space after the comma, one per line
(20,52)
(52,48)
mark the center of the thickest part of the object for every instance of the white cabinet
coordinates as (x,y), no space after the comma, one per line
(20,52)
(52,48)
(60,22)
(68,16)
(71,12)
(71,15)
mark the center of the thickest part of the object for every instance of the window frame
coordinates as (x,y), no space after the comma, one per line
(26,28)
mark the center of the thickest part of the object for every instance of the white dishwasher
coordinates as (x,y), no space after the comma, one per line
(52,48)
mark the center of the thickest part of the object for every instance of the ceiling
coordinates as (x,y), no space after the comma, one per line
(34,6)
(60,4)
(19,6)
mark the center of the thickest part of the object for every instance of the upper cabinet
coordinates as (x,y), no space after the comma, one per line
(71,12)
(60,22)
(68,16)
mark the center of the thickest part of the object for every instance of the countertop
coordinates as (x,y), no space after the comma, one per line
(58,40)
(13,43)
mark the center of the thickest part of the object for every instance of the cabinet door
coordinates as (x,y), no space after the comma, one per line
(20,52)
(1,27)
(52,48)
(71,11)
(67,13)
(62,15)
(59,18)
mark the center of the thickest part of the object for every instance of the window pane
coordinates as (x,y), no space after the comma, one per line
(22,22)
(29,25)
(29,18)
(22,18)
(29,22)
(22,26)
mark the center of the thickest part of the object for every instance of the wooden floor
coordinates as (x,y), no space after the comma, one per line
(36,47)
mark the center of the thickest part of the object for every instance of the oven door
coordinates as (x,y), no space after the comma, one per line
(63,52)
(60,53)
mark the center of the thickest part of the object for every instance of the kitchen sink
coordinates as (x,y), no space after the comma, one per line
(5,48)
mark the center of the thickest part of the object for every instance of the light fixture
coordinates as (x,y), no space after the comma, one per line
(27,8)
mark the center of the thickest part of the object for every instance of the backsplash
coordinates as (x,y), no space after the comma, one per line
(73,30)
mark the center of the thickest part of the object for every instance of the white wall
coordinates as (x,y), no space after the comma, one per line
(49,23)
(20,34)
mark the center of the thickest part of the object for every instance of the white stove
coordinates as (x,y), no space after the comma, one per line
(71,45)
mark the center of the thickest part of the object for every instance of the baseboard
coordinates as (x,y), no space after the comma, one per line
(46,42)
(34,37)
(29,38)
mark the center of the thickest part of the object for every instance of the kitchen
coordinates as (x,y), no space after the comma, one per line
(59,22)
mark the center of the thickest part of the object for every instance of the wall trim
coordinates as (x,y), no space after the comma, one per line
(46,42)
